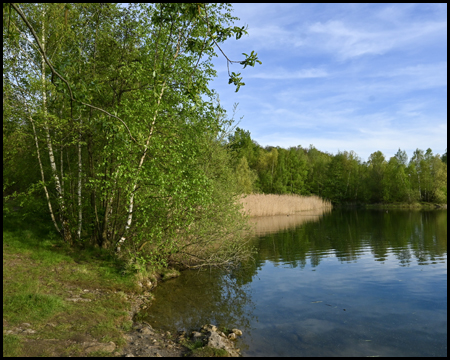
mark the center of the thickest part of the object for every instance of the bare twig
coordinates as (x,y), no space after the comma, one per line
(215,42)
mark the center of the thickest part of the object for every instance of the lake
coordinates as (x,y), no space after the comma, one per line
(344,283)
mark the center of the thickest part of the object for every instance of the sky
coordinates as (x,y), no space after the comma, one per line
(342,77)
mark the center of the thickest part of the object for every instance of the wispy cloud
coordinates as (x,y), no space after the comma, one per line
(274,36)
(419,76)
(349,41)
(290,75)
(362,77)
(364,142)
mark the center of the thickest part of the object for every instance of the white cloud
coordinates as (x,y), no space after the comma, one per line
(363,141)
(358,77)
(290,75)
(350,41)
(419,76)
(274,37)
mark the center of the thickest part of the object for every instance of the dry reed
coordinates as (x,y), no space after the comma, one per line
(270,205)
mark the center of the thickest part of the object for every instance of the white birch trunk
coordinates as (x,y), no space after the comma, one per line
(41,168)
(49,142)
(106,231)
(80,212)
(62,169)
(131,202)
(43,177)
(131,206)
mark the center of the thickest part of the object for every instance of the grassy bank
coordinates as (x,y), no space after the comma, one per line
(270,204)
(59,301)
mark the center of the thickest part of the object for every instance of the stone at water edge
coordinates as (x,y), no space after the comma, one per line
(237,332)
(216,341)
(196,336)
(146,331)
(209,327)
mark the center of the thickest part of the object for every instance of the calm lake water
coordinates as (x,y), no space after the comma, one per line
(347,283)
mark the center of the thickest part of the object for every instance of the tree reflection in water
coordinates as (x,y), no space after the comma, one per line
(282,300)
(203,297)
(347,234)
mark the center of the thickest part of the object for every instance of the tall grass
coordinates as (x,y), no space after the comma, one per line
(270,205)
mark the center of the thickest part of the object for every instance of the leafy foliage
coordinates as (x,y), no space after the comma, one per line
(109,110)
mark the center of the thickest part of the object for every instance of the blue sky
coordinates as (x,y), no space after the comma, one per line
(361,77)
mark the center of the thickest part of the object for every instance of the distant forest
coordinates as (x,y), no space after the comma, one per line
(341,178)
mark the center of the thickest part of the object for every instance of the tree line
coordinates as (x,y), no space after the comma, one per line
(341,178)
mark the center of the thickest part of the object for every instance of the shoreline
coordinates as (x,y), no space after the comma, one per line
(58,301)
(404,206)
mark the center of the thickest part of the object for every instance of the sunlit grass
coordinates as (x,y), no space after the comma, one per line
(197,349)
(40,273)
(192,345)
(32,306)
(12,346)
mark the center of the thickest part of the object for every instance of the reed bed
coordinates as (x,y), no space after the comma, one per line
(270,204)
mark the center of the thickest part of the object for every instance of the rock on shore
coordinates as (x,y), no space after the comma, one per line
(146,341)
(211,336)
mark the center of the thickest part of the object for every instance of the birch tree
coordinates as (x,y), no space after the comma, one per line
(126,104)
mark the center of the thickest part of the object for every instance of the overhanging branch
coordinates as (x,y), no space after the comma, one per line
(22,15)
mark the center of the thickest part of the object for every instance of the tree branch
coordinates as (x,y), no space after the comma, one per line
(30,27)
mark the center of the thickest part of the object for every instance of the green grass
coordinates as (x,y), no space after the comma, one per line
(207,351)
(192,345)
(197,349)
(40,272)
(12,346)
(167,274)
(33,306)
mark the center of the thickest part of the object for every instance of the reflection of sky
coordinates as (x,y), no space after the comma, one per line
(395,303)
(390,310)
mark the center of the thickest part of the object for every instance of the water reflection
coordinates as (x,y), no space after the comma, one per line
(348,283)
(273,224)
(348,234)
(201,297)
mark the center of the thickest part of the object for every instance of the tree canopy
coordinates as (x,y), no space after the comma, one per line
(117,105)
